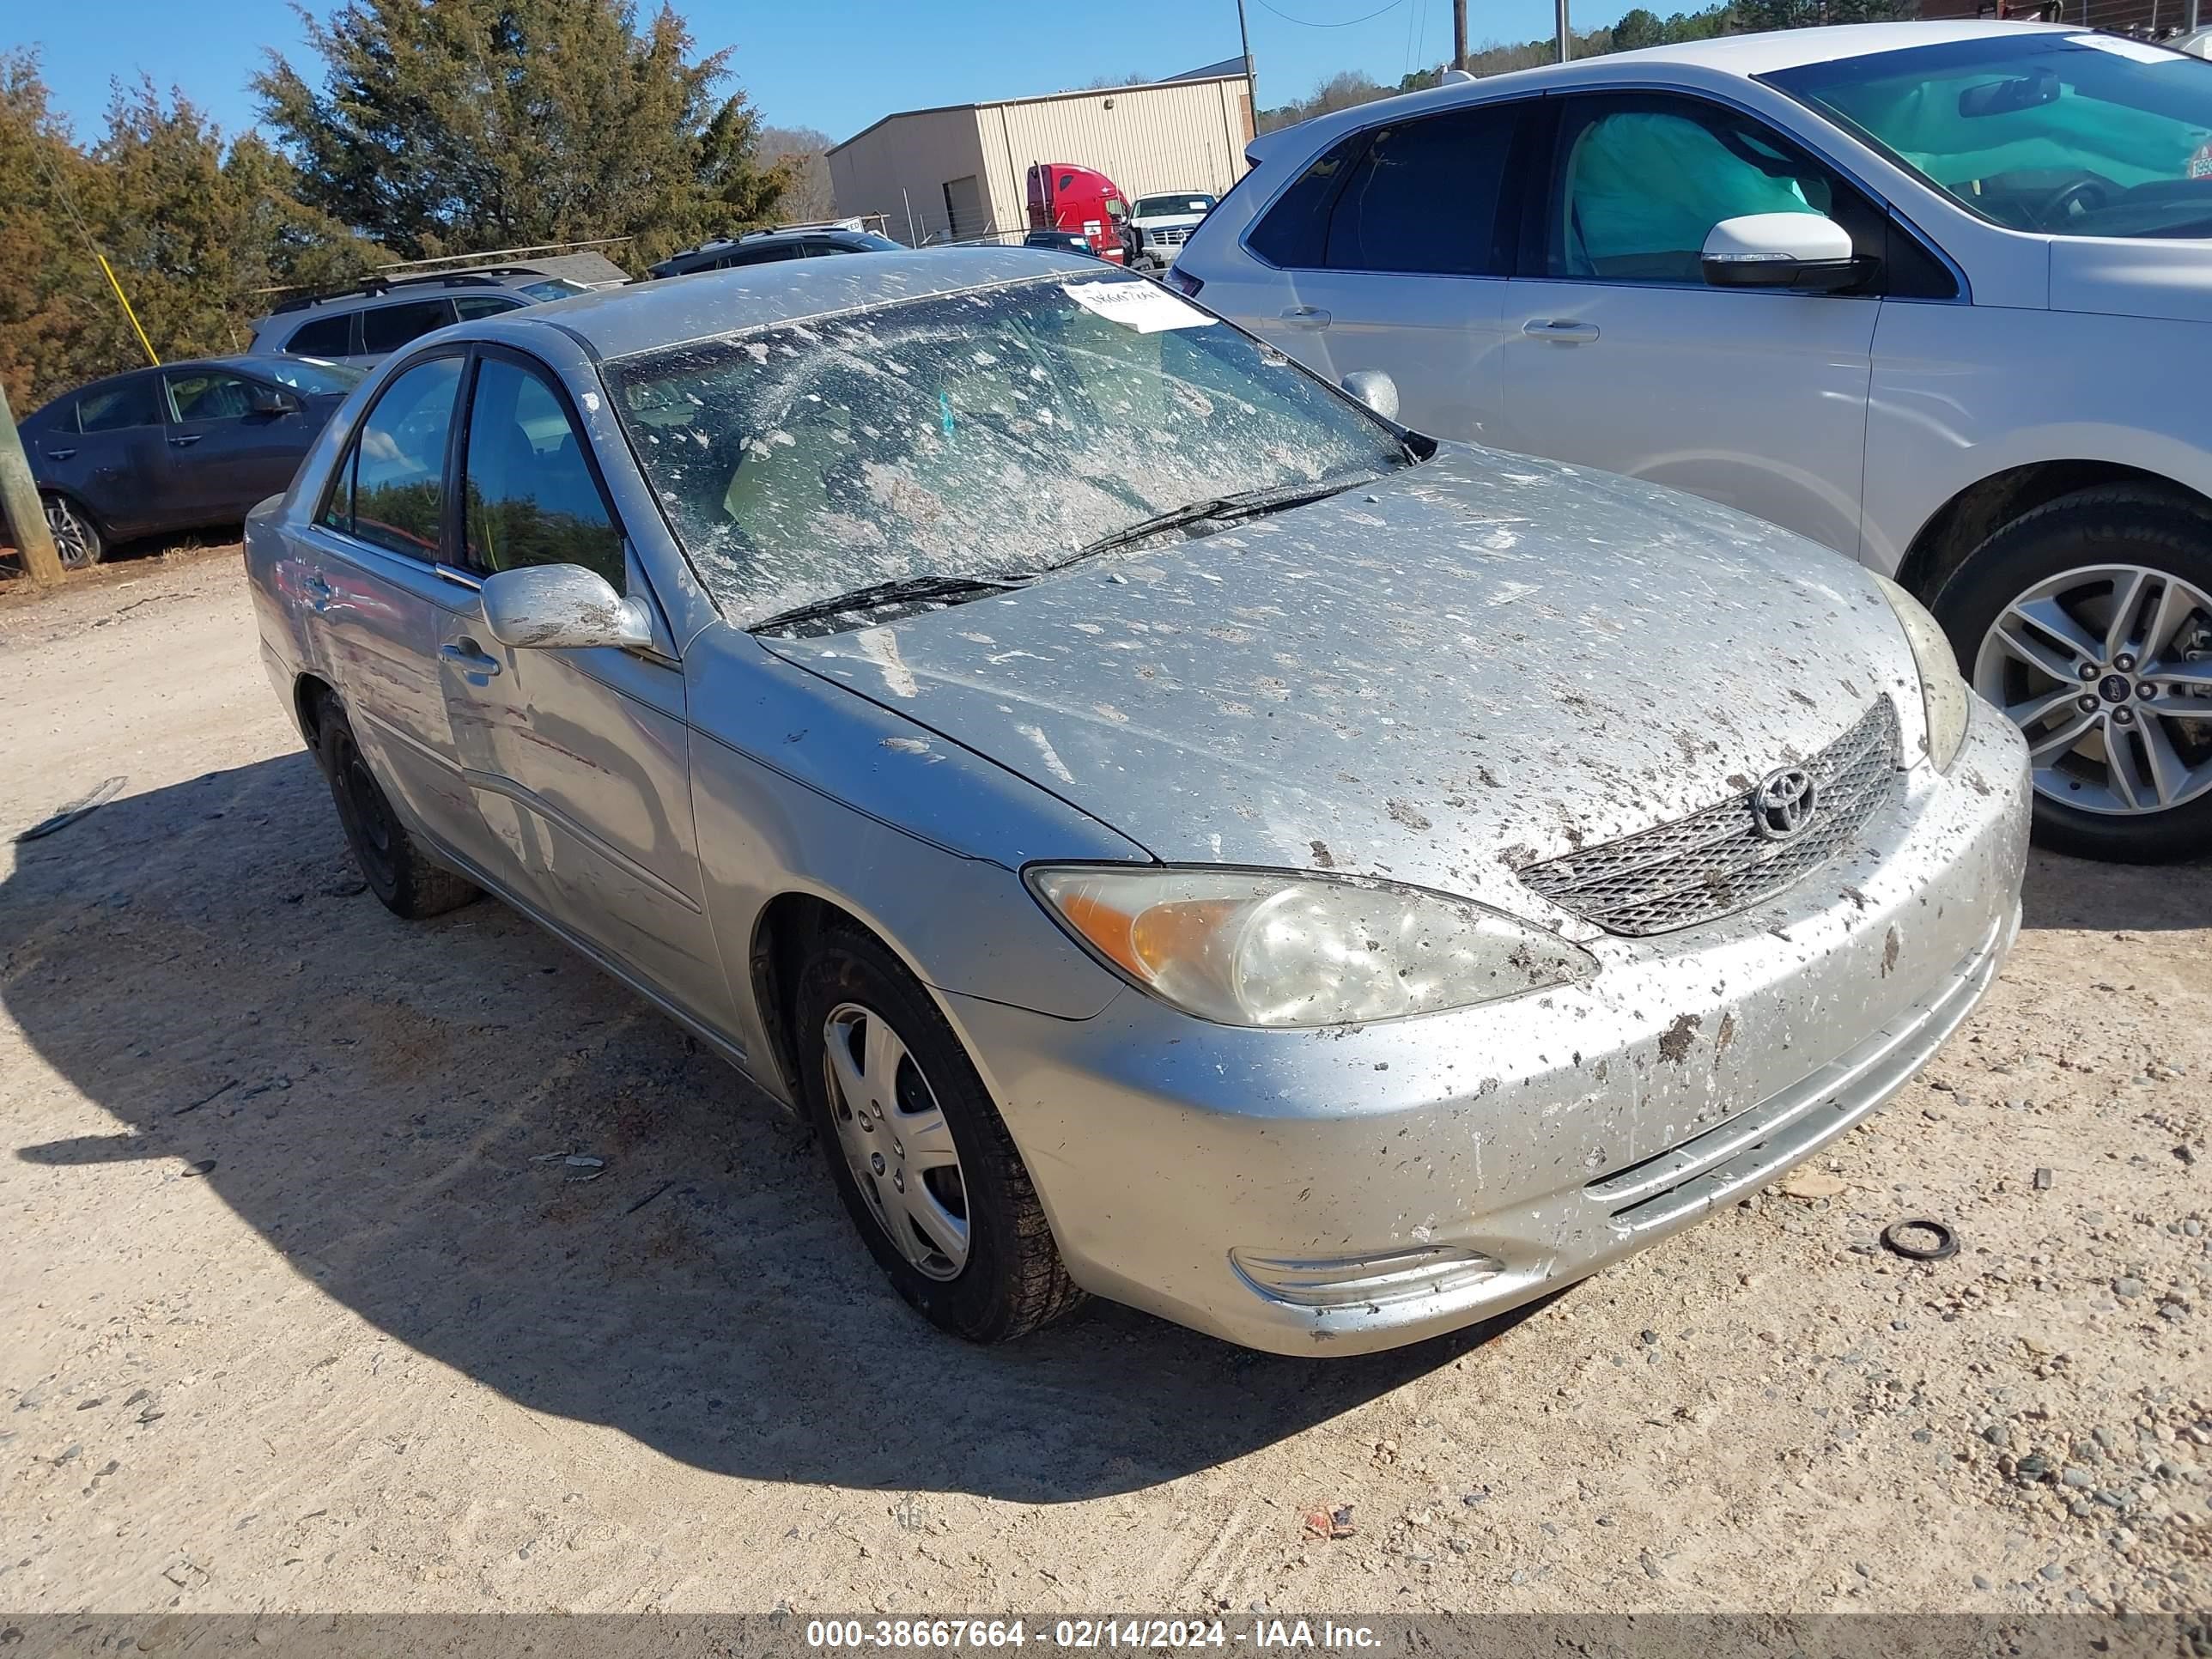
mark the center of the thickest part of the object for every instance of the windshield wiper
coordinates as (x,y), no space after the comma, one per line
(901,590)
(1247,504)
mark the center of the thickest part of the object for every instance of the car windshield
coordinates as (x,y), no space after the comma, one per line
(309,375)
(553,288)
(988,433)
(1151,207)
(2075,134)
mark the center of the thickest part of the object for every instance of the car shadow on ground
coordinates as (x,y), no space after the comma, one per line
(2069,893)
(180,543)
(376,1096)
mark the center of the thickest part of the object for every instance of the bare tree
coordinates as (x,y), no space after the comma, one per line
(809,194)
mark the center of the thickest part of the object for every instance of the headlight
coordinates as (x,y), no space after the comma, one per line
(1942,693)
(1247,947)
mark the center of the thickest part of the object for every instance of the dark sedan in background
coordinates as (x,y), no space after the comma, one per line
(175,448)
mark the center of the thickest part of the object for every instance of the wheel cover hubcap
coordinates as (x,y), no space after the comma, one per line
(896,1140)
(2107,671)
(68,535)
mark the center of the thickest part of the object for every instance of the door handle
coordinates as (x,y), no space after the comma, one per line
(61,454)
(470,658)
(1564,330)
(318,590)
(1306,317)
(186,441)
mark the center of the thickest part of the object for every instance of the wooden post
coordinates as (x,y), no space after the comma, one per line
(19,497)
(1459,35)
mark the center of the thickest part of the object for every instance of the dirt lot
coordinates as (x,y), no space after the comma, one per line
(291,1319)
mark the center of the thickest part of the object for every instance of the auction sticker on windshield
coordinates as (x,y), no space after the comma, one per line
(1141,305)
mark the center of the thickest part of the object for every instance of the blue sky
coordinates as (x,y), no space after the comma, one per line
(833,66)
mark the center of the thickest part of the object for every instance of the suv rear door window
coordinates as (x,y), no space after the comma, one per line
(392,492)
(1419,197)
(325,336)
(387,328)
(1425,197)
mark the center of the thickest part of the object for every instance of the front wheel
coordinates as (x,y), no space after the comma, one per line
(2088,621)
(76,538)
(921,1158)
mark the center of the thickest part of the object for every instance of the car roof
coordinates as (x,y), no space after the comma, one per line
(436,286)
(647,316)
(1739,55)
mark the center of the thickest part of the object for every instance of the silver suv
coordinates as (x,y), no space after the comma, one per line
(364,324)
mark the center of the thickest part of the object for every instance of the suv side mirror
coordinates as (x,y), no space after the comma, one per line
(1375,389)
(554,606)
(1783,250)
(272,400)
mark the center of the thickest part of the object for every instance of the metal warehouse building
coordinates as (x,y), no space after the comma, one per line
(939,175)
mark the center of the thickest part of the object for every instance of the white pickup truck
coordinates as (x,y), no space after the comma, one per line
(1162,222)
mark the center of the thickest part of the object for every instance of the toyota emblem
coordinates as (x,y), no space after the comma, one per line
(1782,805)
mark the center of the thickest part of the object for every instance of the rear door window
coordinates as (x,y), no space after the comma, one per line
(115,408)
(391,489)
(1424,198)
(387,328)
(1420,197)
(471,305)
(326,336)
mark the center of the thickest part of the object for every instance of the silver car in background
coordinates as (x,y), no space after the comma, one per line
(1179,834)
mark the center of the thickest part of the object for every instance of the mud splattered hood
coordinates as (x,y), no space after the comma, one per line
(1480,662)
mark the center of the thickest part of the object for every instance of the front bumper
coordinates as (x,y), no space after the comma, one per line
(1338,1192)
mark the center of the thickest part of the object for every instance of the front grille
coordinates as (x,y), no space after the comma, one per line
(1175,238)
(1716,862)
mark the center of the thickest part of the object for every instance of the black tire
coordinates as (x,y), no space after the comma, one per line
(1013,1281)
(399,871)
(76,537)
(2111,524)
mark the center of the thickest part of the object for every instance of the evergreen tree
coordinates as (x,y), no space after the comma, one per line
(445,126)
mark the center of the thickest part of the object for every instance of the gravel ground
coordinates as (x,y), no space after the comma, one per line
(292,1318)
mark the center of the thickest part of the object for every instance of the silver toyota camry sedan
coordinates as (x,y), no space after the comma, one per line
(1181,836)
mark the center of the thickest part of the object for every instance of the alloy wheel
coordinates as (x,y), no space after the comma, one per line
(2107,671)
(69,537)
(896,1140)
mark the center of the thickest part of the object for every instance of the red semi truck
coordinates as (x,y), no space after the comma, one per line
(1065,196)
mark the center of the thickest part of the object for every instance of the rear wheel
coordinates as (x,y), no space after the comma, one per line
(919,1154)
(76,538)
(2088,621)
(393,864)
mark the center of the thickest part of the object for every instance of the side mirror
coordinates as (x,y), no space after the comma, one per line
(562,605)
(270,400)
(1375,389)
(1781,250)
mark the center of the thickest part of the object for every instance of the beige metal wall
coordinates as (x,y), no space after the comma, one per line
(1184,135)
(900,167)
(1177,135)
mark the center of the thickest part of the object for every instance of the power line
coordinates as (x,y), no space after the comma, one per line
(1307,23)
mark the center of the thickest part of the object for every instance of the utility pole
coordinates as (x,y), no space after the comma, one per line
(1459,35)
(1565,39)
(19,497)
(1251,76)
